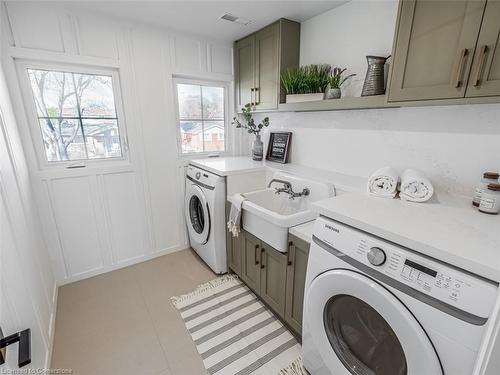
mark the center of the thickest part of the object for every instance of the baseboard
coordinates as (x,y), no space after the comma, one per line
(127,263)
(52,326)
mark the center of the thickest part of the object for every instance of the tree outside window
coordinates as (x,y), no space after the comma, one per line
(76,114)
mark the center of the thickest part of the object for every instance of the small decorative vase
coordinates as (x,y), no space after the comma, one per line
(334,93)
(375,76)
(257,148)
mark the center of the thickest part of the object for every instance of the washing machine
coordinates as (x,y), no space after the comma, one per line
(372,307)
(205,216)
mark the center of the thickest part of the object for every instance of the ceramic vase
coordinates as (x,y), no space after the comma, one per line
(257,148)
(375,76)
(334,93)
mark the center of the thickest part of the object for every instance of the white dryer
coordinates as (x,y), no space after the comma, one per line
(205,216)
(375,308)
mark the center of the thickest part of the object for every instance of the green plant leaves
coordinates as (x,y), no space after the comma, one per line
(248,122)
(312,79)
(307,79)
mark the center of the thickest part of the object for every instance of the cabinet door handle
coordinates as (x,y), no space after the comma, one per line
(251,96)
(289,262)
(482,60)
(255,257)
(257,101)
(261,260)
(460,70)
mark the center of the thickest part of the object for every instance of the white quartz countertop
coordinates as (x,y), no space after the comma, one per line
(303,231)
(447,227)
(226,166)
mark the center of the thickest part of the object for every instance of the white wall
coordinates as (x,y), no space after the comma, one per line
(27,286)
(454,145)
(344,36)
(102,217)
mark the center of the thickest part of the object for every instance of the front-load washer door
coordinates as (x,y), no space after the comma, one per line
(197,214)
(360,328)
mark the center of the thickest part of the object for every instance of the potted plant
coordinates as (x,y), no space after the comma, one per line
(305,83)
(335,80)
(247,122)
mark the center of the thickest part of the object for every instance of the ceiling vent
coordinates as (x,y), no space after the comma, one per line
(235,19)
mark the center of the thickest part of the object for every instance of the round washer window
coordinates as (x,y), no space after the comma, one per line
(362,339)
(196,214)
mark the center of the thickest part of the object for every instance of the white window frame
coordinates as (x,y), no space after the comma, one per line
(32,114)
(201,82)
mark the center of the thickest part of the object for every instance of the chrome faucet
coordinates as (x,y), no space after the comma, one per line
(287,188)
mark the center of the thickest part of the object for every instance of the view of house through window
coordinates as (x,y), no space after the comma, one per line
(201,118)
(76,114)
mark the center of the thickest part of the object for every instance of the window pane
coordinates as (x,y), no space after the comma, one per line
(96,95)
(213,103)
(214,135)
(191,136)
(54,93)
(102,138)
(189,97)
(62,139)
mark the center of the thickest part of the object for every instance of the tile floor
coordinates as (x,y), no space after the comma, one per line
(123,322)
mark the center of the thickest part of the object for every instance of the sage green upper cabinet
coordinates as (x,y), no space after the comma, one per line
(266,67)
(244,57)
(259,60)
(434,50)
(485,74)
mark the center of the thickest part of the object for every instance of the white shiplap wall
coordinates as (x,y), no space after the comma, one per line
(106,216)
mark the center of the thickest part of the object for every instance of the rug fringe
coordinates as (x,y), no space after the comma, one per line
(203,288)
(294,368)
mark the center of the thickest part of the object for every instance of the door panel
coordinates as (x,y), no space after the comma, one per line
(296,280)
(485,74)
(434,49)
(244,60)
(267,67)
(273,278)
(251,258)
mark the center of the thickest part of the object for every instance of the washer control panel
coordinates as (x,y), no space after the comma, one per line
(439,280)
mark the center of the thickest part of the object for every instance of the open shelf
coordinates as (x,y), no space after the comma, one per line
(363,102)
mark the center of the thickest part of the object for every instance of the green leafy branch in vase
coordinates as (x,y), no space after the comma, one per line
(247,121)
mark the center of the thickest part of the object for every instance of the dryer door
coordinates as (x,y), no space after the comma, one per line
(197,214)
(361,328)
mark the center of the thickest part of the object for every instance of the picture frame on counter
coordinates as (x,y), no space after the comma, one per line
(278,149)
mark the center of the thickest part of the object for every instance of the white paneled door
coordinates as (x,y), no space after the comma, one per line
(24,299)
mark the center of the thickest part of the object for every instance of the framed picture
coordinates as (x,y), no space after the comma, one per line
(279,147)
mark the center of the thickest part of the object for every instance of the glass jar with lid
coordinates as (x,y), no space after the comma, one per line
(490,200)
(488,178)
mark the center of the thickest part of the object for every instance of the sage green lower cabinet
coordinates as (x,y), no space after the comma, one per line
(273,278)
(298,253)
(277,278)
(250,265)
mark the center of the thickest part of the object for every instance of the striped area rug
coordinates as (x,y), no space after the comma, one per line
(235,333)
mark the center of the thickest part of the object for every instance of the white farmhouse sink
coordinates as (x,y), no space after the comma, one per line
(268,215)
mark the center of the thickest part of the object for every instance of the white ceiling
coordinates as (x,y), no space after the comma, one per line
(202,17)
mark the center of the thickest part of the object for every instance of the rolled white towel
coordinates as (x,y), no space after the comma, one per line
(415,187)
(234,223)
(383,183)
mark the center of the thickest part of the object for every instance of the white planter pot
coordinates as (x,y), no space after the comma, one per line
(299,98)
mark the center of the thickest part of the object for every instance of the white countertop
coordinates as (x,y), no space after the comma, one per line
(447,227)
(226,166)
(303,231)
